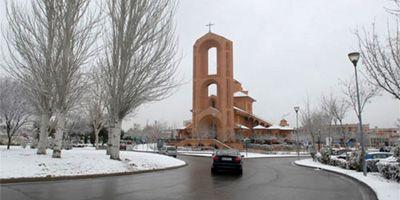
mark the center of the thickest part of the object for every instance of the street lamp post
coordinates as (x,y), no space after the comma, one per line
(246,142)
(296,109)
(354,57)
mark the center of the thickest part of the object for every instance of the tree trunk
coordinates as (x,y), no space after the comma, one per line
(115,139)
(313,142)
(96,137)
(343,133)
(35,140)
(59,134)
(44,125)
(109,139)
(9,141)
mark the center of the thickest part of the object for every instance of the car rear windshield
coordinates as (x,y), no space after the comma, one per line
(171,148)
(228,152)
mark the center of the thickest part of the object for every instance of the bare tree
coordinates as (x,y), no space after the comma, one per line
(382,58)
(32,48)
(156,130)
(337,108)
(48,45)
(366,89)
(76,37)
(314,122)
(14,109)
(139,64)
(94,105)
(76,124)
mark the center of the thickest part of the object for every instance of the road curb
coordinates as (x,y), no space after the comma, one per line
(338,173)
(58,178)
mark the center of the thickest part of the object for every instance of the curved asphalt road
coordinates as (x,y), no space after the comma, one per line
(262,179)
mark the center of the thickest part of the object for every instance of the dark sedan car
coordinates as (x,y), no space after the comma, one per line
(229,159)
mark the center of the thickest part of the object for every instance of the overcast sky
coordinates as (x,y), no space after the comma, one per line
(284,51)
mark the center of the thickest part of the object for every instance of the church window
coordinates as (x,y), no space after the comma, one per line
(212,61)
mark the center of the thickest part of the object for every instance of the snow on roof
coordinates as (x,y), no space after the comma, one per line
(287,128)
(240,94)
(242,126)
(259,127)
(277,127)
(239,109)
(274,127)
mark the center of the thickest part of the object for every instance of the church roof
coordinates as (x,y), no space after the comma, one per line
(187,126)
(242,94)
(242,126)
(211,35)
(251,115)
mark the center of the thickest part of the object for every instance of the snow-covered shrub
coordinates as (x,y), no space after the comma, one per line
(371,165)
(396,152)
(267,147)
(343,163)
(287,147)
(389,168)
(355,160)
(334,161)
(338,162)
(325,155)
(314,154)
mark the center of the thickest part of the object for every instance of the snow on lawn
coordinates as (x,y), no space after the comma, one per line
(385,189)
(18,162)
(249,154)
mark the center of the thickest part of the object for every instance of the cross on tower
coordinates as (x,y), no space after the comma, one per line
(209,26)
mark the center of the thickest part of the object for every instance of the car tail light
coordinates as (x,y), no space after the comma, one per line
(238,159)
(215,158)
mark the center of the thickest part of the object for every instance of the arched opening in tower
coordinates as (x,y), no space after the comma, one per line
(212,61)
(208,127)
(212,95)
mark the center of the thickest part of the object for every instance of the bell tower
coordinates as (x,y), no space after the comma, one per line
(213,114)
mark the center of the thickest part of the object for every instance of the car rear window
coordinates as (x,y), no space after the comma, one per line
(171,148)
(228,152)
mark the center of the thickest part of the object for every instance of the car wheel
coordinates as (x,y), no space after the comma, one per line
(240,172)
(213,171)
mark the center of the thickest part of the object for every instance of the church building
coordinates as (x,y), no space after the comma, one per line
(222,108)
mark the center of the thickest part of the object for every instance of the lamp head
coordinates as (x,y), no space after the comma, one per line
(354,57)
(296,108)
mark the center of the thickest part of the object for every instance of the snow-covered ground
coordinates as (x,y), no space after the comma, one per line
(385,189)
(22,163)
